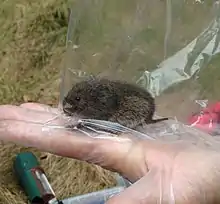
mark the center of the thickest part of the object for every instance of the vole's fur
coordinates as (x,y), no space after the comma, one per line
(115,101)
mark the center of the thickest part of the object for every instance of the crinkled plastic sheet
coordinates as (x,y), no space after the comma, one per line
(168,47)
(162,46)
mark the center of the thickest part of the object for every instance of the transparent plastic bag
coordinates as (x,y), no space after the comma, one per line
(168,48)
(170,53)
(40,127)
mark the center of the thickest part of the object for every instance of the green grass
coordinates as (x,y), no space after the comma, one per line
(32,45)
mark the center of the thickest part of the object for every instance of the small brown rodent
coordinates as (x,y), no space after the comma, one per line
(115,101)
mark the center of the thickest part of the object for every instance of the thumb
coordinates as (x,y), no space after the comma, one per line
(155,187)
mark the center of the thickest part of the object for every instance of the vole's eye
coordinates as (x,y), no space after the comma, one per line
(77,98)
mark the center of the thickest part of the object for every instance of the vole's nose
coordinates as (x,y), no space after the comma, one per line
(66,107)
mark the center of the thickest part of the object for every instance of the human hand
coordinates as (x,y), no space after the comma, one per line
(176,172)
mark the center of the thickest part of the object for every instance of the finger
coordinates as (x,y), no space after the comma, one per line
(39,107)
(9,112)
(107,153)
(155,187)
(28,127)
